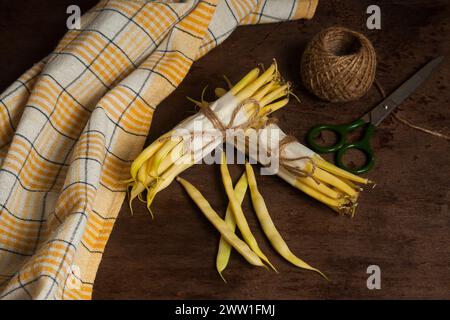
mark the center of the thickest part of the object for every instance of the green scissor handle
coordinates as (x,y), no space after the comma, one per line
(341,146)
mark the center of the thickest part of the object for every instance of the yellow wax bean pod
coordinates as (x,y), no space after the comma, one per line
(269,227)
(223,254)
(264,90)
(138,185)
(352,184)
(220,224)
(332,180)
(147,154)
(239,216)
(167,177)
(312,192)
(142,173)
(162,153)
(270,108)
(274,95)
(175,154)
(229,84)
(254,86)
(325,165)
(250,77)
(137,188)
(220,92)
(131,195)
(143,180)
(322,187)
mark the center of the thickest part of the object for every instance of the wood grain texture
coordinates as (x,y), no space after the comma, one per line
(403,225)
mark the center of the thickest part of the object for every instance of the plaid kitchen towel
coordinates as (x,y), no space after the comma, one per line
(72,124)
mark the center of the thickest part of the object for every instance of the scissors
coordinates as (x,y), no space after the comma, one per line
(369,122)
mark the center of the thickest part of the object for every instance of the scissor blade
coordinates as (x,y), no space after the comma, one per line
(382,110)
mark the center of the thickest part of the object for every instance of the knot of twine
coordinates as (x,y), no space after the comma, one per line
(338,65)
(252,120)
(286,162)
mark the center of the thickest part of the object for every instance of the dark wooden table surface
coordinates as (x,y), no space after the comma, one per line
(403,225)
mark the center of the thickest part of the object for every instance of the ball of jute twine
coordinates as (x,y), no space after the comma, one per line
(338,65)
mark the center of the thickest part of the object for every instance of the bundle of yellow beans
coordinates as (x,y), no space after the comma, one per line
(245,105)
(244,110)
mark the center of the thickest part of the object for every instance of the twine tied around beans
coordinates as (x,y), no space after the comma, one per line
(254,120)
(286,162)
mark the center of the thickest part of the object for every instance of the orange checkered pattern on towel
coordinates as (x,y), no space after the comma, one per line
(72,124)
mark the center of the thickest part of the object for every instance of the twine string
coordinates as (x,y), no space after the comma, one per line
(253,120)
(407,123)
(286,162)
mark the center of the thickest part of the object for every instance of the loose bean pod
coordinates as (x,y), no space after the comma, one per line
(239,214)
(269,227)
(223,254)
(220,224)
